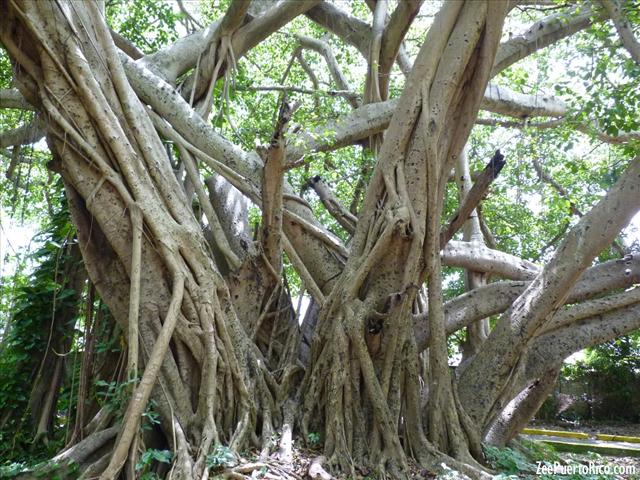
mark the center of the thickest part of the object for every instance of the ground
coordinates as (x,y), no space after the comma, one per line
(303,458)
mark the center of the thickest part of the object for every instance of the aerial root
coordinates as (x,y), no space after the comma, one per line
(285,451)
(316,472)
(270,469)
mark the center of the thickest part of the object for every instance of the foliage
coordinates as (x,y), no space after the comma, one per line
(222,457)
(147,459)
(35,305)
(610,373)
(507,460)
(313,439)
(528,458)
(147,23)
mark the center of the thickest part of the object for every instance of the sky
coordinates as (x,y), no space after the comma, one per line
(15,238)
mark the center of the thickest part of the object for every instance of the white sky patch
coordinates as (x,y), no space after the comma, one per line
(301,304)
(576,357)
(632,232)
(15,239)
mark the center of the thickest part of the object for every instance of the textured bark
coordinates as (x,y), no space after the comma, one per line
(615,9)
(483,381)
(545,32)
(497,297)
(12,98)
(518,412)
(181,290)
(400,211)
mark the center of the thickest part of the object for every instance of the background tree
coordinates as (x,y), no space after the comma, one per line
(181,157)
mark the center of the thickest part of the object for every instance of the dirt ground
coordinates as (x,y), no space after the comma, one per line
(303,458)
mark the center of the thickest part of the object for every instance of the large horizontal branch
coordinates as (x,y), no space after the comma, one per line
(619,139)
(24,135)
(478,258)
(12,98)
(498,99)
(574,313)
(543,33)
(555,346)
(497,297)
(374,118)
(182,55)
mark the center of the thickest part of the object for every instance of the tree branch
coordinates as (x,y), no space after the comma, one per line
(182,55)
(12,98)
(24,135)
(547,292)
(324,49)
(351,29)
(557,345)
(497,297)
(272,182)
(543,33)
(350,96)
(126,45)
(477,257)
(394,33)
(615,10)
(321,251)
(345,218)
(619,139)
(499,99)
(473,198)
(371,119)
(573,314)
(187,14)
(310,73)
(372,91)
(546,178)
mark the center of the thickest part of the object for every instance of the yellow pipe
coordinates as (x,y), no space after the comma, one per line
(554,433)
(617,438)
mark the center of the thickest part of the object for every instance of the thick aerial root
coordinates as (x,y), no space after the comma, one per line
(316,472)
(76,460)
(143,391)
(285,452)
